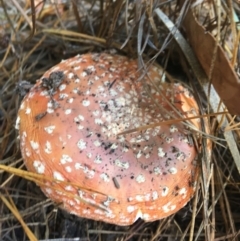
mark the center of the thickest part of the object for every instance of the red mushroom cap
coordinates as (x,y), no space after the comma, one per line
(69,124)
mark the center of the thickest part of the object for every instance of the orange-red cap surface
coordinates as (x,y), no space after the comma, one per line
(69,124)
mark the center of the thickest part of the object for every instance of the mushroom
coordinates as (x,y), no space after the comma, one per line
(70,126)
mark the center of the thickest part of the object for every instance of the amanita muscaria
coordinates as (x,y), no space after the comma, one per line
(69,127)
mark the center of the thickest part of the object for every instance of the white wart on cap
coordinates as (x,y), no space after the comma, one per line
(69,124)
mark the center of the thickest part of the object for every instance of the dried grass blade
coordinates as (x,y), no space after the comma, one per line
(15,212)
(214,99)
